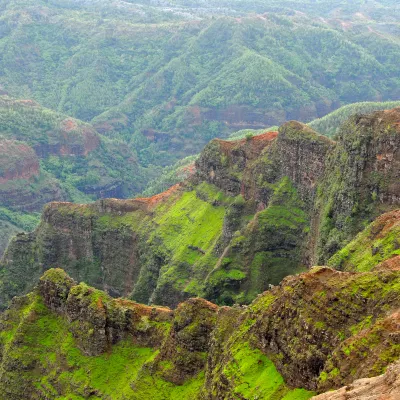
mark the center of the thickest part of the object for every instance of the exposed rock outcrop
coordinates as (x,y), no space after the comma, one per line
(316,331)
(362,179)
(386,386)
(18,161)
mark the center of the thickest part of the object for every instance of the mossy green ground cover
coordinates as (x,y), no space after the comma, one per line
(366,251)
(188,227)
(190,222)
(64,372)
(256,377)
(33,335)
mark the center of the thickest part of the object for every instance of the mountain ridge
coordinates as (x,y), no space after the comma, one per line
(199,350)
(250,215)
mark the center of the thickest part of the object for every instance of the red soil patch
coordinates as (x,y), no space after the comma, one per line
(393,264)
(151,201)
(69,125)
(267,136)
(252,145)
(189,169)
(391,117)
(28,102)
(18,161)
(90,141)
(199,301)
(141,309)
(100,304)
(385,223)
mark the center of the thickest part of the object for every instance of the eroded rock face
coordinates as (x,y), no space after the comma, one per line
(23,187)
(300,155)
(246,166)
(362,178)
(194,321)
(383,387)
(223,163)
(327,328)
(96,320)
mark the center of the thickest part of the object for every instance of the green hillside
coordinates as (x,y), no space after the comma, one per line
(166,78)
(47,156)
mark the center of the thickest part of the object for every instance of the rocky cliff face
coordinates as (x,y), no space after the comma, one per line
(386,386)
(288,344)
(362,178)
(255,211)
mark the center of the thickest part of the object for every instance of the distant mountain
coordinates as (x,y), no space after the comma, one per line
(331,123)
(166,77)
(47,156)
(134,87)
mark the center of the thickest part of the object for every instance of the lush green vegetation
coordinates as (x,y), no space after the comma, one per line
(255,375)
(264,251)
(109,375)
(157,77)
(49,361)
(187,229)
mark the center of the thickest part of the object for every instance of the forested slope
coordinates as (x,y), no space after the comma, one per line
(168,79)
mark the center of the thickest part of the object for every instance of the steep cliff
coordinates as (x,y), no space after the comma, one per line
(377,246)
(362,178)
(255,211)
(289,343)
(386,386)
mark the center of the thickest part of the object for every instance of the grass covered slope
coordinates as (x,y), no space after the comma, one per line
(85,345)
(378,244)
(181,243)
(151,354)
(149,248)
